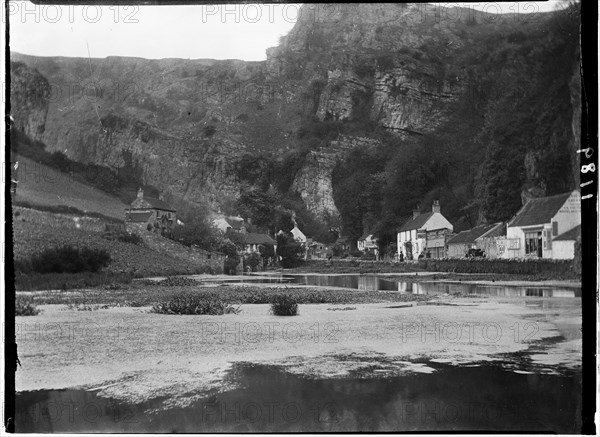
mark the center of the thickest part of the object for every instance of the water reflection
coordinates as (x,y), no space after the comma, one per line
(270,400)
(359,282)
(375,283)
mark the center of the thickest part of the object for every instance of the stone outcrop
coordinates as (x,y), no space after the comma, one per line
(30,94)
(187,124)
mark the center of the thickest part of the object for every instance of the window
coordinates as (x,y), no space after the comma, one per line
(547,239)
(531,242)
(554,229)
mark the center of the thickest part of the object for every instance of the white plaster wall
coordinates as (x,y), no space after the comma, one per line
(569,216)
(563,249)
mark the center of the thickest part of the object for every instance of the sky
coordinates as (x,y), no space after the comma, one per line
(154,32)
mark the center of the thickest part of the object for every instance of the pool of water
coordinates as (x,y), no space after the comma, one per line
(268,399)
(376,283)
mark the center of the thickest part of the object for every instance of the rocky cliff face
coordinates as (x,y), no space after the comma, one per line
(401,69)
(30,94)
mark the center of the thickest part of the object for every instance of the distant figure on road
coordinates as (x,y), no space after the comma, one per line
(401,258)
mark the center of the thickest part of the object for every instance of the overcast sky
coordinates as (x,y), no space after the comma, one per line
(213,31)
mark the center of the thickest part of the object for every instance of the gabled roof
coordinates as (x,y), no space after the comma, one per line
(137,216)
(367,235)
(539,211)
(416,223)
(569,235)
(297,233)
(149,202)
(470,235)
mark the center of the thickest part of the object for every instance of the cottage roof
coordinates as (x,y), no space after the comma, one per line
(137,216)
(151,203)
(235,222)
(497,230)
(249,238)
(365,236)
(252,238)
(539,211)
(470,235)
(569,235)
(416,223)
(298,234)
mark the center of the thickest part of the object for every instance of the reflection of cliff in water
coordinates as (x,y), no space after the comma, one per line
(482,398)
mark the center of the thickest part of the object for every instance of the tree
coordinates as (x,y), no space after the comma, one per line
(289,250)
(197,229)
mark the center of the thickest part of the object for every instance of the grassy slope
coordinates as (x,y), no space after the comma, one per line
(35,231)
(42,185)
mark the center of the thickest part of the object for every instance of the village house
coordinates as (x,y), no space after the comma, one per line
(317,250)
(493,242)
(223,223)
(344,243)
(540,222)
(459,245)
(299,236)
(249,242)
(424,234)
(368,243)
(149,214)
(563,246)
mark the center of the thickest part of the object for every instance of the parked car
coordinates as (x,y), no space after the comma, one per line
(475,253)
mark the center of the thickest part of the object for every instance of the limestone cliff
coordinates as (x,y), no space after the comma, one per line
(385,73)
(30,94)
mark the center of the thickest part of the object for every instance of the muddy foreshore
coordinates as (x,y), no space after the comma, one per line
(134,355)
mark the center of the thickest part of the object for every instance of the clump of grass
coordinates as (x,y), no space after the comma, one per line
(284,305)
(86,307)
(195,305)
(25,306)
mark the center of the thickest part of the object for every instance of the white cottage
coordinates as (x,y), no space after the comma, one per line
(530,234)
(424,233)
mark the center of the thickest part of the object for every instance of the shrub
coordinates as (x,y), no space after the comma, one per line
(25,306)
(368,256)
(68,259)
(356,253)
(284,305)
(208,304)
(253,261)
(230,266)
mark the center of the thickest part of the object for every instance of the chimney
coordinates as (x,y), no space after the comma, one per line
(416,213)
(140,194)
(435,206)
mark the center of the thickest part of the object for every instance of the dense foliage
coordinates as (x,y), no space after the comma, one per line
(66,259)
(25,306)
(284,305)
(290,252)
(195,304)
